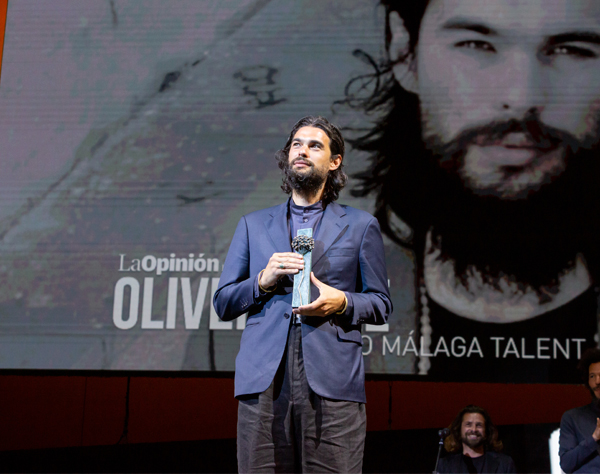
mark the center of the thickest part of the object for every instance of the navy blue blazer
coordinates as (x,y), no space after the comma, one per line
(349,256)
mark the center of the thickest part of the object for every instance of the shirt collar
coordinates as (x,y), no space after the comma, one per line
(313,208)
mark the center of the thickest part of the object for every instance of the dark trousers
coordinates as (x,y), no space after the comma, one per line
(289,428)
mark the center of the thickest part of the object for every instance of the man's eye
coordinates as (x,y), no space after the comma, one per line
(475,44)
(570,50)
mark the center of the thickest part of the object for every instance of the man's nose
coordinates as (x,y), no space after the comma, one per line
(521,84)
(303,150)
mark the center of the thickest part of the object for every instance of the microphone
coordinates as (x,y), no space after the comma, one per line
(443,433)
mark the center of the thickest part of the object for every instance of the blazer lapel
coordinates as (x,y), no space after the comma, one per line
(277,228)
(331,227)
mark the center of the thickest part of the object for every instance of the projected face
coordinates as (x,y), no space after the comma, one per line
(508,88)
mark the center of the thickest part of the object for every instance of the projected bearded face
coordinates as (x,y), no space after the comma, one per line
(509,89)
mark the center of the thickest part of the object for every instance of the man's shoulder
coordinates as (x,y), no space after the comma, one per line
(266,212)
(353,212)
(585,410)
(451,456)
(449,462)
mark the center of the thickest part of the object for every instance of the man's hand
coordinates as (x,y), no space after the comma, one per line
(596,433)
(329,301)
(280,264)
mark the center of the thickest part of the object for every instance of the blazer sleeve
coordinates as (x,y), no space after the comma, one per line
(371,303)
(235,294)
(574,454)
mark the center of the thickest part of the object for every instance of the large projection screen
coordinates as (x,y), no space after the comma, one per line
(136,133)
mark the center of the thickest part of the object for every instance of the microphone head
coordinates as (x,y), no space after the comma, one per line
(443,432)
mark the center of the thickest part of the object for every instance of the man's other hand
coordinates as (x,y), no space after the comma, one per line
(329,301)
(596,433)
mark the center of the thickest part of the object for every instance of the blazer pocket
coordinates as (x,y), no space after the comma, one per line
(350,336)
(341,252)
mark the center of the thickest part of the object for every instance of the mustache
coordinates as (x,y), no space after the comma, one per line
(300,158)
(538,135)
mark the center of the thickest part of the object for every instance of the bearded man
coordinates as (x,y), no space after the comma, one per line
(485,163)
(299,374)
(473,445)
(580,427)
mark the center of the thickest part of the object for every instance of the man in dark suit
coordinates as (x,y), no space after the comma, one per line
(299,373)
(580,427)
(473,445)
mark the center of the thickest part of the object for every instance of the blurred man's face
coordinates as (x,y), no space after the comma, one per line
(594,380)
(509,89)
(472,430)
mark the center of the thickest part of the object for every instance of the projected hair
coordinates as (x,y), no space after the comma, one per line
(453,442)
(336,179)
(400,181)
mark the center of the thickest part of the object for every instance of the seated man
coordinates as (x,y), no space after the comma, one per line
(580,427)
(473,445)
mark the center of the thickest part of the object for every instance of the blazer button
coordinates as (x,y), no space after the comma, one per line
(286,316)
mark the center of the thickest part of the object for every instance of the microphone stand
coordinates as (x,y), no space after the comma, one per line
(442,434)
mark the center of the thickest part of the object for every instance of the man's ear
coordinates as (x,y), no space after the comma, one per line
(335,162)
(405,63)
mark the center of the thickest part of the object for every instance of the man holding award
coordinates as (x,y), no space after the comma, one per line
(299,373)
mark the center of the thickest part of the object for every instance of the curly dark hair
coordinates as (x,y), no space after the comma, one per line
(336,179)
(453,442)
(589,357)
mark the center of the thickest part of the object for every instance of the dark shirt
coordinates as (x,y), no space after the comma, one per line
(578,450)
(544,348)
(489,462)
(308,217)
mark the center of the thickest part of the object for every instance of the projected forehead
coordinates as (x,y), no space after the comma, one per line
(528,18)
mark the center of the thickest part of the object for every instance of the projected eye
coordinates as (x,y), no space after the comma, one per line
(571,50)
(476,45)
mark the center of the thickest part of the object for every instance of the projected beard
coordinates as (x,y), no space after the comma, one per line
(532,235)
(306,182)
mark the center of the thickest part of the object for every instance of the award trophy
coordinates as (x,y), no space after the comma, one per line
(303,243)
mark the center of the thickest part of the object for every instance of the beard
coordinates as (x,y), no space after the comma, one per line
(306,183)
(473,443)
(532,238)
(595,399)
